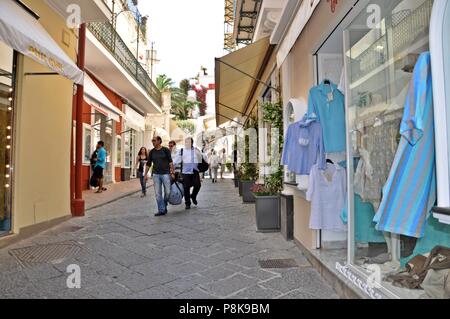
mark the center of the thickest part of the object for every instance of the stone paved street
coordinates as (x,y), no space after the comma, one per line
(211,251)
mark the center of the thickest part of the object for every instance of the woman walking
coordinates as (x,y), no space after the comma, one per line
(141,162)
(214,166)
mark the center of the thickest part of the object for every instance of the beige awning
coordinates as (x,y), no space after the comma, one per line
(235,79)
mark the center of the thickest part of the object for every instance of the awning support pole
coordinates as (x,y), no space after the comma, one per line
(78,205)
(250,76)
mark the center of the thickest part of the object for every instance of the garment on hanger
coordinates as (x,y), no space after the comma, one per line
(327,192)
(303,147)
(410,191)
(327,104)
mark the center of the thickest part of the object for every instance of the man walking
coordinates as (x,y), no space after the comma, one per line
(100,165)
(189,158)
(223,162)
(163,169)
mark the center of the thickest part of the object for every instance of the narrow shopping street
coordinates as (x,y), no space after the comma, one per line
(212,251)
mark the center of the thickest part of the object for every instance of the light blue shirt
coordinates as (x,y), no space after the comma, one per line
(101,158)
(303,147)
(410,191)
(327,104)
(191,158)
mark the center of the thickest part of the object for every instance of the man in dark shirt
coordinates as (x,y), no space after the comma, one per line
(162,171)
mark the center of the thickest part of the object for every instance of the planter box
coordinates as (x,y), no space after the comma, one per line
(287,216)
(247,195)
(267,213)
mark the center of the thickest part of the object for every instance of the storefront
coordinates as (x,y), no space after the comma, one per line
(359,82)
(35,114)
(103,123)
(6,133)
(133,137)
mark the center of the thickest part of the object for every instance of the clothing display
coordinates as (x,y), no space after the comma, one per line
(377,152)
(327,104)
(327,192)
(410,191)
(436,233)
(303,147)
(437,284)
(418,268)
(365,231)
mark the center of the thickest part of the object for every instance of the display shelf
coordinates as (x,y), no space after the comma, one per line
(403,33)
(423,42)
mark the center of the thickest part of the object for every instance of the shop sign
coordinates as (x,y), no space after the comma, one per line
(364,286)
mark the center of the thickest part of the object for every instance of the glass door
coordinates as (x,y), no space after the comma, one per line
(6,136)
(104,132)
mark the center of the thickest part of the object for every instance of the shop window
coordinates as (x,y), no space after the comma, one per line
(118,150)
(87,146)
(104,131)
(6,136)
(127,148)
(380,61)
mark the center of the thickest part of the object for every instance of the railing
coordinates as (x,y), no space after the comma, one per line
(105,33)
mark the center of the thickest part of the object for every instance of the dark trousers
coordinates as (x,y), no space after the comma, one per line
(189,181)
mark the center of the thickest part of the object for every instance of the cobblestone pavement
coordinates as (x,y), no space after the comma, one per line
(211,251)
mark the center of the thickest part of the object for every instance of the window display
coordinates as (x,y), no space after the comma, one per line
(413,172)
(6,136)
(391,130)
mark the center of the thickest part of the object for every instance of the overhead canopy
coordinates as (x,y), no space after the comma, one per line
(95,98)
(24,33)
(235,79)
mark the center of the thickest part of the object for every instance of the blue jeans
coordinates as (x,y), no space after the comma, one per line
(159,182)
(143,182)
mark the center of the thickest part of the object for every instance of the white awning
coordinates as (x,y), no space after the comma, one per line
(24,33)
(133,119)
(95,98)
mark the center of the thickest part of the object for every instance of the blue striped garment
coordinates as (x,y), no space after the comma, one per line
(410,191)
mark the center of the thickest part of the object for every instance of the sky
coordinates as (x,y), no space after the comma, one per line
(188,34)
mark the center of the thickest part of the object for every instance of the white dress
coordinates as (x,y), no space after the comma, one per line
(327,197)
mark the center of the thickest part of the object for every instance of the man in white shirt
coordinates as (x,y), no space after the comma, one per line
(188,159)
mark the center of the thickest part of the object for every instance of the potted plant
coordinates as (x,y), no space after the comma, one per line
(247,180)
(248,172)
(267,198)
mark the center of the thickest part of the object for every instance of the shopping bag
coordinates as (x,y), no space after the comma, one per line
(176,194)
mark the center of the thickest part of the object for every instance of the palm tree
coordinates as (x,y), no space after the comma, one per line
(163,82)
(181,107)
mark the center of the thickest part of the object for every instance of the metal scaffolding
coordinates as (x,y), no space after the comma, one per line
(229,41)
